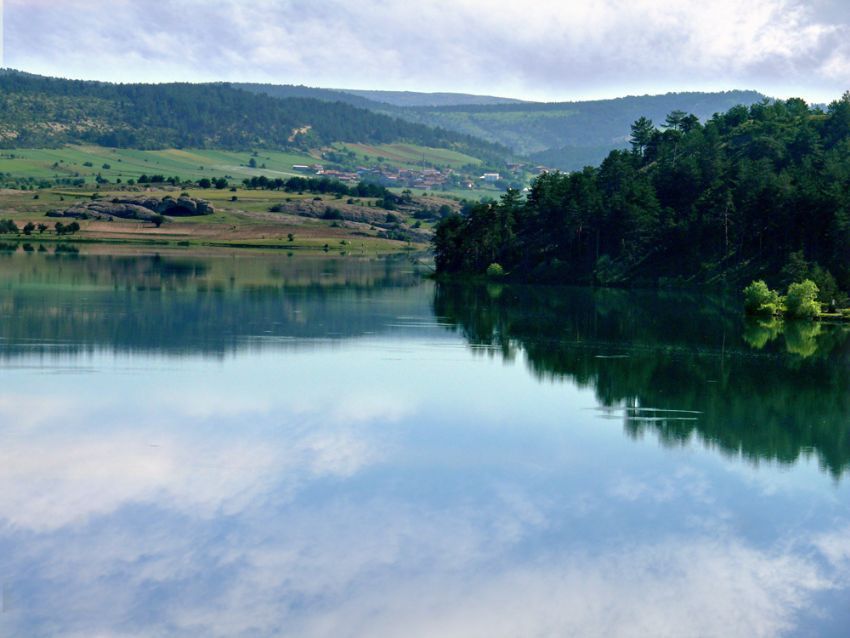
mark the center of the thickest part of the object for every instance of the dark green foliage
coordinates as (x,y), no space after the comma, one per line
(69,229)
(7,226)
(48,112)
(732,199)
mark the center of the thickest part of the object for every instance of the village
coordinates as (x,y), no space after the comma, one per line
(426,178)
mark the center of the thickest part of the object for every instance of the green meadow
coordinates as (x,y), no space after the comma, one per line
(86,162)
(410,156)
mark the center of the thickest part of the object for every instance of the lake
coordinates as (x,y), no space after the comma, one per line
(257,445)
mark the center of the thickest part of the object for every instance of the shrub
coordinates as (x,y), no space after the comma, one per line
(761,300)
(8,226)
(495,271)
(801,301)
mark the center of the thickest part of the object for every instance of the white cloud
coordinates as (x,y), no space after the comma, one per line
(550,48)
(64,468)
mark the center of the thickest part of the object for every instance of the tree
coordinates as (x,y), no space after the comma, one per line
(801,300)
(8,226)
(29,228)
(675,119)
(642,131)
(761,300)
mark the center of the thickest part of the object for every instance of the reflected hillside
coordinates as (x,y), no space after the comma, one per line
(674,365)
(61,303)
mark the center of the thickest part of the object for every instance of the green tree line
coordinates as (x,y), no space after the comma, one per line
(749,193)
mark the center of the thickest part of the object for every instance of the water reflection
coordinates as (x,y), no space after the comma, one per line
(652,355)
(192,304)
(391,480)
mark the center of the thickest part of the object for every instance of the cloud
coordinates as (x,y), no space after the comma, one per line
(63,468)
(548,49)
(382,567)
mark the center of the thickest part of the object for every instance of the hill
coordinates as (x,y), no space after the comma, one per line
(418,99)
(570,135)
(382,101)
(755,192)
(562,135)
(44,112)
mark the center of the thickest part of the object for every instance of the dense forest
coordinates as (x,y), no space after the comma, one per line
(762,191)
(39,112)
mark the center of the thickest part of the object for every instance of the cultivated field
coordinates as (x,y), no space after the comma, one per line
(242,218)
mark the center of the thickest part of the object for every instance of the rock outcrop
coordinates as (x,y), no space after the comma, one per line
(141,208)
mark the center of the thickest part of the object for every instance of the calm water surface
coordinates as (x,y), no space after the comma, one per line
(275,446)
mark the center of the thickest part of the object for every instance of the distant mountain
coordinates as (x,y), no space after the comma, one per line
(569,135)
(37,111)
(407,99)
(565,135)
(286,91)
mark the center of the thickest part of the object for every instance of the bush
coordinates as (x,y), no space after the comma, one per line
(495,271)
(761,300)
(8,226)
(801,301)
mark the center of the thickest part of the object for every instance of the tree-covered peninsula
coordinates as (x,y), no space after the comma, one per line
(755,192)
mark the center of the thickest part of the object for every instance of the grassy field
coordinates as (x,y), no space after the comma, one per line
(410,156)
(86,162)
(73,162)
(242,219)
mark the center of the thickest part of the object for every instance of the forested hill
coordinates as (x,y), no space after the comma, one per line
(755,192)
(563,135)
(419,99)
(571,135)
(37,111)
(382,101)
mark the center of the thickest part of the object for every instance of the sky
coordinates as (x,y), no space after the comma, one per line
(543,50)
